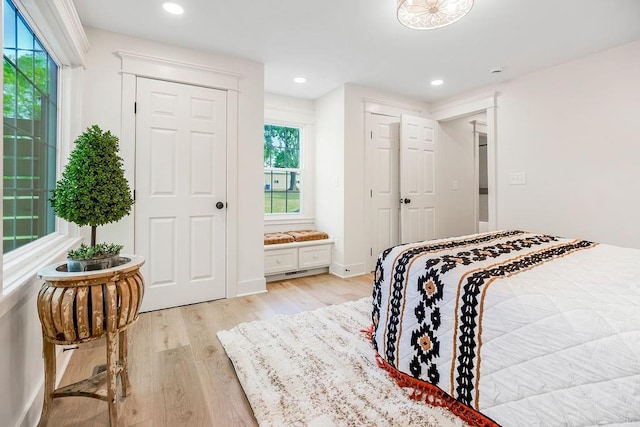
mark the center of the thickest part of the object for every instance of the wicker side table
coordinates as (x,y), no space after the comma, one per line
(76,308)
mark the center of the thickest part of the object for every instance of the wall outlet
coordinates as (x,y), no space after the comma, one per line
(517,178)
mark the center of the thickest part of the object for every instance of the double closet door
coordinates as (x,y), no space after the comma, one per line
(401,176)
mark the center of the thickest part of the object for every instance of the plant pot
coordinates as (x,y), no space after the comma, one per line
(74,266)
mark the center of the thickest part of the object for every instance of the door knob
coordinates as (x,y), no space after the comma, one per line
(405,201)
(219,205)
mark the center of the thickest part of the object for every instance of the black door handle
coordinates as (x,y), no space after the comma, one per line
(219,205)
(405,201)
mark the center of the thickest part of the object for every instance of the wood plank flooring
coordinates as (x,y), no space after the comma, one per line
(180,374)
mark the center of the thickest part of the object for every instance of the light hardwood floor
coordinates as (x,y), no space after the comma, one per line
(179,372)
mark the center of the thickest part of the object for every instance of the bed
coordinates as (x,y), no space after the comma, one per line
(513,328)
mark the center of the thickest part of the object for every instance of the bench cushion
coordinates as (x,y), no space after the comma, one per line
(306,235)
(275,238)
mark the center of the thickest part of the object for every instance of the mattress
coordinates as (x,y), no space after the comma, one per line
(513,328)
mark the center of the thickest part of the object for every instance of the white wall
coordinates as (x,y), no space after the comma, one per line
(102,105)
(329,163)
(21,366)
(575,130)
(291,104)
(21,362)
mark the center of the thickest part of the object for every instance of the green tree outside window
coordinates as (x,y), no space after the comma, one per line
(282,169)
(29,134)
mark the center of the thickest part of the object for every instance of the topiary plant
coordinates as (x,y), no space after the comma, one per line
(93,189)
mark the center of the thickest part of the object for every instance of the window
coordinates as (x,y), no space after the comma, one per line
(282,172)
(30,128)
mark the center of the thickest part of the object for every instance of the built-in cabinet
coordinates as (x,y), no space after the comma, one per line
(297,259)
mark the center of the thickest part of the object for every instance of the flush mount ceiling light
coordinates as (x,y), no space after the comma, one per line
(431,14)
(300,80)
(173,8)
(437,82)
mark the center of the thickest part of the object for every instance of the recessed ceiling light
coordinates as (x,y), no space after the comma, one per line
(437,82)
(300,80)
(173,8)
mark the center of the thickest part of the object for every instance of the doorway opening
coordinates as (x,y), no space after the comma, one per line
(482,177)
(481,112)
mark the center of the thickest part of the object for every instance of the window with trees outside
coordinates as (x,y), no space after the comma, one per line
(30,127)
(282,172)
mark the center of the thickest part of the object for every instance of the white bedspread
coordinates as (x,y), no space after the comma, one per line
(527,329)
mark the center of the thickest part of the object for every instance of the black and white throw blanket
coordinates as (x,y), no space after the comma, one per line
(523,328)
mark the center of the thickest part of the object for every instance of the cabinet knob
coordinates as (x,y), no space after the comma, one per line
(278,261)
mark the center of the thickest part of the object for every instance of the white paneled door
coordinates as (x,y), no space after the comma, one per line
(382,174)
(180,208)
(418,196)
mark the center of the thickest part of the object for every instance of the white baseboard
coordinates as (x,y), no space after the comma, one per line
(296,274)
(346,271)
(251,293)
(31,413)
(249,287)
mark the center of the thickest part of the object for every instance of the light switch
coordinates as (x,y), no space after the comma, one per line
(518,178)
(455,185)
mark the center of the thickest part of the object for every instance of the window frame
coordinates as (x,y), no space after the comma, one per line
(289,111)
(300,169)
(50,55)
(20,265)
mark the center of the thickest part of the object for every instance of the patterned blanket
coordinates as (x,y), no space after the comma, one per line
(451,315)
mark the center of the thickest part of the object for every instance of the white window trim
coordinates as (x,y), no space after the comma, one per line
(20,266)
(59,30)
(305,121)
(304,205)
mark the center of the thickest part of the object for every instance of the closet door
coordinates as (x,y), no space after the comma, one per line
(180,208)
(382,169)
(418,198)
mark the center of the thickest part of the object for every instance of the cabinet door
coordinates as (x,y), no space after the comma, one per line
(280,261)
(315,256)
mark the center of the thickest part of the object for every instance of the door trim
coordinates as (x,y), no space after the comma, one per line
(478,129)
(158,68)
(483,102)
(134,65)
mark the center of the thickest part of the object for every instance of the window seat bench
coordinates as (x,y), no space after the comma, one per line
(305,254)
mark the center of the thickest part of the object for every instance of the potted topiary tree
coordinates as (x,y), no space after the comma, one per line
(93,191)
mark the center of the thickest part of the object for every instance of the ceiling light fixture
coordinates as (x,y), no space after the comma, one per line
(437,82)
(431,14)
(300,80)
(173,8)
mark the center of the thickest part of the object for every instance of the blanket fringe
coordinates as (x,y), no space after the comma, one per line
(368,333)
(425,392)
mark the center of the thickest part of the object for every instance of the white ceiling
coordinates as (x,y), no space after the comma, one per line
(332,42)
